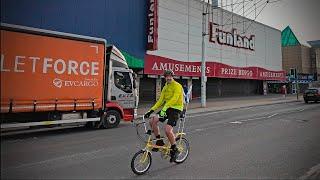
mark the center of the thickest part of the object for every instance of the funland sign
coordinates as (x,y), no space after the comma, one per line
(230,38)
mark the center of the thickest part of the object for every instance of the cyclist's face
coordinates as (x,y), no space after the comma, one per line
(169,79)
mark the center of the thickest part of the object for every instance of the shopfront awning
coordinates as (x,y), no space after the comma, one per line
(132,61)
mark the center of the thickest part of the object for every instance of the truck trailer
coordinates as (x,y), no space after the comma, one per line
(53,78)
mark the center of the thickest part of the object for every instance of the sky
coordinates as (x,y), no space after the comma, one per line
(303,16)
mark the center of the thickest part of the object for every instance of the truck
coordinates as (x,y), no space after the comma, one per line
(51,78)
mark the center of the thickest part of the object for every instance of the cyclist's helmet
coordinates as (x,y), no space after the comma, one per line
(168,72)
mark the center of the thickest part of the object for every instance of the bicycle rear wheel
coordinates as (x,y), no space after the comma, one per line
(183,148)
(141,162)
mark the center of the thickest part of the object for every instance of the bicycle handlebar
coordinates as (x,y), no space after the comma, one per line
(136,123)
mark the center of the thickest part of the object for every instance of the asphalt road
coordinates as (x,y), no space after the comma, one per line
(274,141)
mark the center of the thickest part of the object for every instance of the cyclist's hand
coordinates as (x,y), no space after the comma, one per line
(147,115)
(162,113)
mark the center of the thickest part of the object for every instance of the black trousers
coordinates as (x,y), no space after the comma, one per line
(172,115)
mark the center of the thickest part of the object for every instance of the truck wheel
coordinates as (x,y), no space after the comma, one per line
(111,119)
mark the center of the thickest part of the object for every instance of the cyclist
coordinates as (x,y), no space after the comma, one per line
(171,99)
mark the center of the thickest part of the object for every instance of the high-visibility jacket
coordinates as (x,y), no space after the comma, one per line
(171,97)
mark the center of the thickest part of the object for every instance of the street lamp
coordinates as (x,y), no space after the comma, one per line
(203,61)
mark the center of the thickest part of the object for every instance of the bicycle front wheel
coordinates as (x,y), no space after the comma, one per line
(141,162)
(183,148)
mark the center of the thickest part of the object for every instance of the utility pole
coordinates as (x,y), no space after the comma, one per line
(294,75)
(297,85)
(203,61)
(296,78)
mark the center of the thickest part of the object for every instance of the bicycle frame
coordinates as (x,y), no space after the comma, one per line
(180,132)
(166,148)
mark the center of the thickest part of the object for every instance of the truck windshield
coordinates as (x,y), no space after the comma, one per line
(119,64)
(123,81)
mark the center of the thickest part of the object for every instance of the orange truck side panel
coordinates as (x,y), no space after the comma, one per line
(45,73)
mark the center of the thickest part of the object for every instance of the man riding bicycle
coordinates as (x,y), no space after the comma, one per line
(171,99)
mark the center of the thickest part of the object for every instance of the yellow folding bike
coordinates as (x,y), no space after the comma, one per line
(142,160)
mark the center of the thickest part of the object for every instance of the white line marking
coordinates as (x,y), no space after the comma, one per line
(216,112)
(252,119)
(236,122)
(312,173)
(55,159)
(273,115)
(240,121)
(73,158)
(257,118)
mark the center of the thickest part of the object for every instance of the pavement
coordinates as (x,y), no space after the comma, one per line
(275,141)
(223,103)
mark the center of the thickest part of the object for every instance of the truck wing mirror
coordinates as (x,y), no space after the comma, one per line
(134,84)
(134,77)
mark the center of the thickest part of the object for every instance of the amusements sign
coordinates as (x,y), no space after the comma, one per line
(156,65)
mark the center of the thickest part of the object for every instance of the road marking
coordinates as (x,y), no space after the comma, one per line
(252,119)
(216,112)
(236,122)
(266,116)
(73,158)
(273,115)
(313,173)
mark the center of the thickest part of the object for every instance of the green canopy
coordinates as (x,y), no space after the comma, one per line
(132,61)
(288,38)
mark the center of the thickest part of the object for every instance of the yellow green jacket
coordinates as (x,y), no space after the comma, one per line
(171,97)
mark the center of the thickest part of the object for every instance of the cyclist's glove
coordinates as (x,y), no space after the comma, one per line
(147,115)
(162,113)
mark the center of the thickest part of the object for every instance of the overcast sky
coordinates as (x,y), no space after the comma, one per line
(303,16)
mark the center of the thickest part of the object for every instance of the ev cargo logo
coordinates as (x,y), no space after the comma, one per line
(230,38)
(59,83)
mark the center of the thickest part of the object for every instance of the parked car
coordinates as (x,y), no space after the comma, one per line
(311,94)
